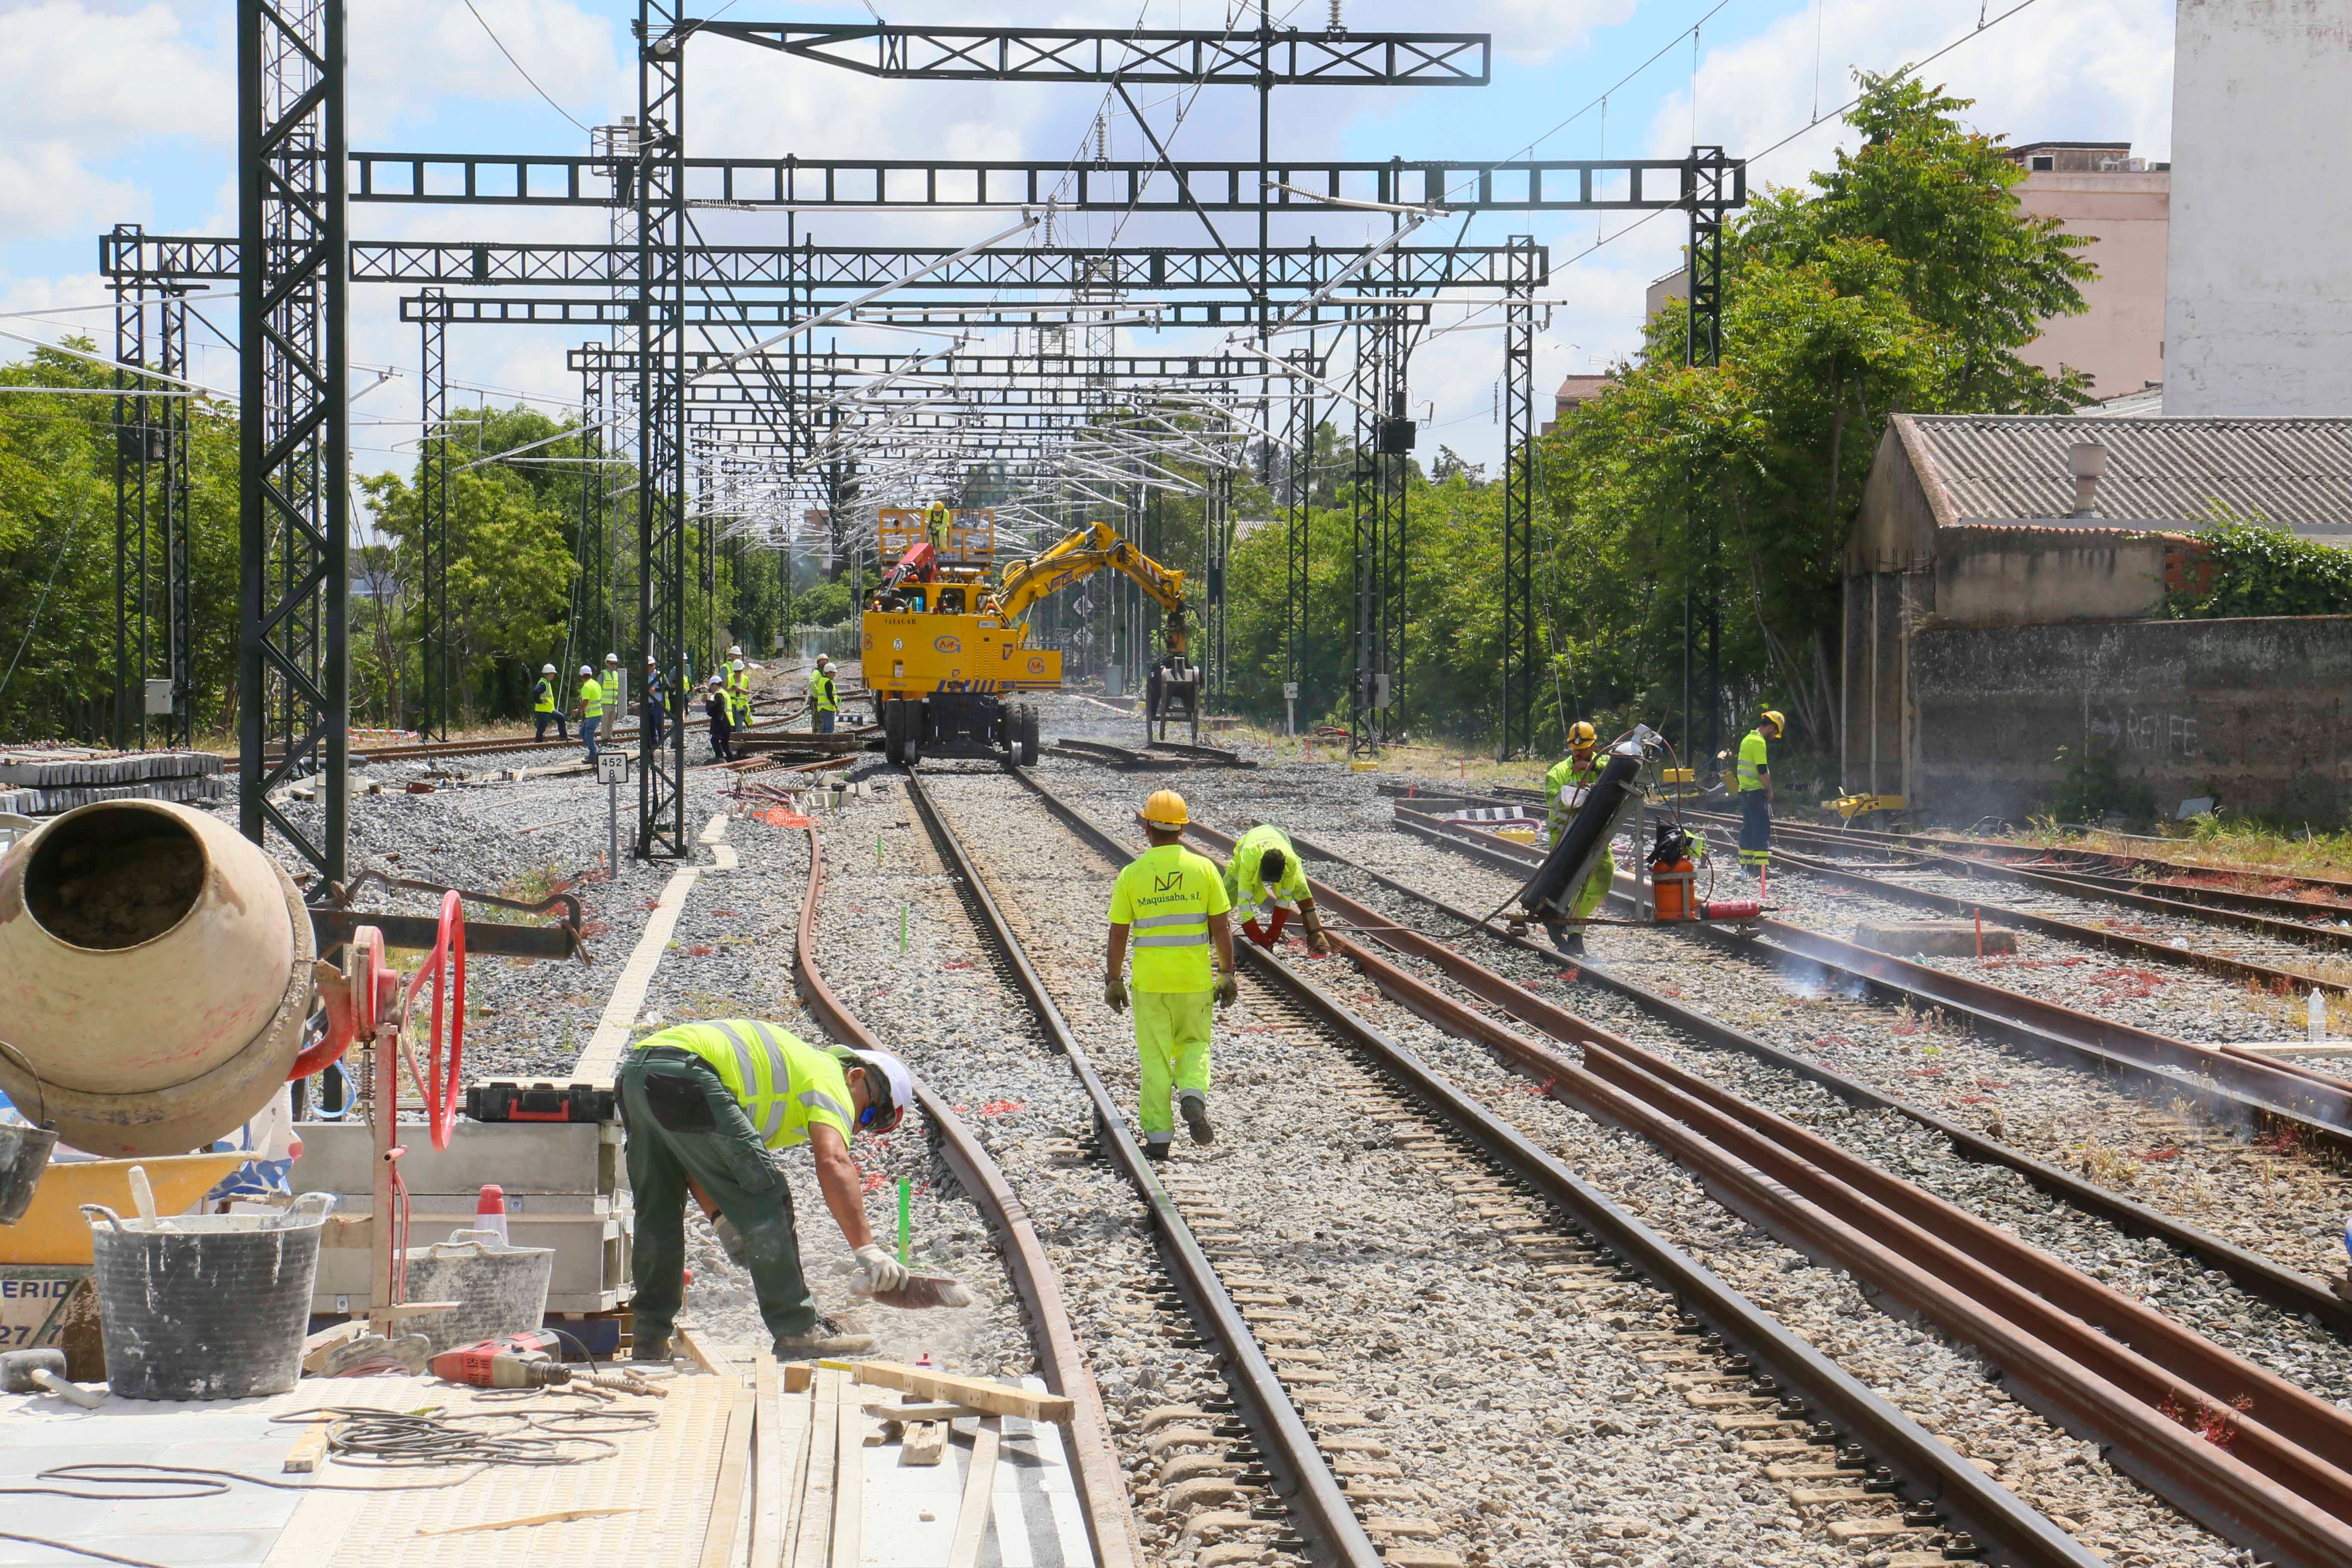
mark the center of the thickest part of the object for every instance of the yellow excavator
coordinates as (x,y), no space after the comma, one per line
(944,647)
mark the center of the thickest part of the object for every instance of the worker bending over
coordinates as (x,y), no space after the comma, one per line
(701,1107)
(1755,780)
(591,708)
(1265,881)
(1174,903)
(722,720)
(825,696)
(547,705)
(1564,789)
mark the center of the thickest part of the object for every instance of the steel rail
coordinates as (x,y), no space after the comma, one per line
(2100,891)
(2098,1360)
(1101,1485)
(2234,1083)
(2258,1276)
(1991,1516)
(1282,1439)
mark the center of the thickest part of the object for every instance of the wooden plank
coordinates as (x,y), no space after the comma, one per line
(734,1474)
(849,1485)
(561,1516)
(978,1495)
(308,1451)
(985,1398)
(598,1062)
(813,1539)
(926,1444)
(770,1463)
(682,1336)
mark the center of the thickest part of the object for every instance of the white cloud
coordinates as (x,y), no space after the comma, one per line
(407,60)
(46,190)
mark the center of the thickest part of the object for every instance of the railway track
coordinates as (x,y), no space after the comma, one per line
(2231,1082)
(1791,1410)
(2091,1359)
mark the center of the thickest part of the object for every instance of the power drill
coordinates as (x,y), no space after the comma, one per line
(515,1361)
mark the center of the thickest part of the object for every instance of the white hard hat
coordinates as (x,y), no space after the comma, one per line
(739,664)
(734,650)
(585,670)
(612,658)
(547,669)
(716,681)
(888,1101)
(649,659)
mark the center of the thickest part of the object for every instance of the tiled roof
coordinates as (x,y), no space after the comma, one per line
(2291,473)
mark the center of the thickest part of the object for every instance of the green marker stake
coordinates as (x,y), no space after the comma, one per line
(902,928)
(906,1215)
(877,852)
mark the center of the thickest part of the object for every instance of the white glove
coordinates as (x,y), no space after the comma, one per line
(880,1270)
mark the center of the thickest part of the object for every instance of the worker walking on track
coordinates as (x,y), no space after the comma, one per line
(547,704)
(701,1107)
(825,697)
(1755,780)
(591,708)
(723,720)
(1564,788)
(657,704)
(1265,881)
(1174,902)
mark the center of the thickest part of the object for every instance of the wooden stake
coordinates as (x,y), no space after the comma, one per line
(978,1492)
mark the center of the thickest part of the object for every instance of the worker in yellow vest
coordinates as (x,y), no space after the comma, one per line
(1173,904)
(702,1106)
(1564,788)
(1755,779)
(825,697)
(547,706)
(937,521)
(1266,882)
(738,680)
(591,708)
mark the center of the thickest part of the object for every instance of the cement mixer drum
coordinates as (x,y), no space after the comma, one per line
(154,972)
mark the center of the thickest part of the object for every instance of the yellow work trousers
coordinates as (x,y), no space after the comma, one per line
(1172,1036)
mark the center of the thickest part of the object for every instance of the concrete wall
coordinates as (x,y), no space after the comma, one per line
(1999,574)
(2257,713)
(2119,341)
(2259,314)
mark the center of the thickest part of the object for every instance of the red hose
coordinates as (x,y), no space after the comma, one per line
(449,947)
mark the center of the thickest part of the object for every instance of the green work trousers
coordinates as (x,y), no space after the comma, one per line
(682,1122)
(1172,1036)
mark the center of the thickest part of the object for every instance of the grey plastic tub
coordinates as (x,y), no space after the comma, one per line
(205,1306)
(499,1290)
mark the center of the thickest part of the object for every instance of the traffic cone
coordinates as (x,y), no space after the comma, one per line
(490,1212)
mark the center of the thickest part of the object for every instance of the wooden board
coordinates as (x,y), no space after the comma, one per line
(974,1394)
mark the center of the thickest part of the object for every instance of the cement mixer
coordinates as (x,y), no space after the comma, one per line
(155,975)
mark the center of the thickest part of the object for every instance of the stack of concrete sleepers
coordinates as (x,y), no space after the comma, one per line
(45,780)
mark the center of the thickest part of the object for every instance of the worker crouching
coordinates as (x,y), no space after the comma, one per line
(1265,881)
(702,1105)
(1173,903)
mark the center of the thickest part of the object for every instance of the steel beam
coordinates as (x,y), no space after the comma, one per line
(508,311)
(433,476)
(1520,458)
(662,277)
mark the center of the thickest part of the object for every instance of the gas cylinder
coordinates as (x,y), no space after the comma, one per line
(156,972)
(1671,884)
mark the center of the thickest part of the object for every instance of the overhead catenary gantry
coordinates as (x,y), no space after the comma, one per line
(667,297)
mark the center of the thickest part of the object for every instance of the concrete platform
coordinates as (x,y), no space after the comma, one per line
(729,1478)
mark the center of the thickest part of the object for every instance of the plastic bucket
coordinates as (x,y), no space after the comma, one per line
(205,1306)
(499,1290)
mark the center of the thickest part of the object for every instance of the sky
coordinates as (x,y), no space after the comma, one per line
(123,111)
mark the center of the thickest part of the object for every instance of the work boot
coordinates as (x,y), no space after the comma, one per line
(650,1350)
(1156,1149)
(1196,1109)
(1569,942)
(822,1338)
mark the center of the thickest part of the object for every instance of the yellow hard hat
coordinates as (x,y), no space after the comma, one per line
(1166,809)
(1582,734)
(1772,717)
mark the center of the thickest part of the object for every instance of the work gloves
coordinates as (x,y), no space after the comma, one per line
(1317,943)
(1229,989)
(1114,994)
(877,1271)
(733,1240)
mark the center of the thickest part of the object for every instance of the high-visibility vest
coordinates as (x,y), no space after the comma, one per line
(591,698)
(1245,886)
(612,683)
(542,695)
(935,527)
(1566,775)
(820,687)
(1753,760)
(1165,896)
(783,1082)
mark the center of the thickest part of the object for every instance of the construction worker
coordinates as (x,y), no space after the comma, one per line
(701,1107)
(1265,881)
(1755,779)
(722,718)
(657,703)
(937,521)
(738,691)
(615,709)
(1174,902)
(546,706)
(1563,789)
(825,697)
(591,708)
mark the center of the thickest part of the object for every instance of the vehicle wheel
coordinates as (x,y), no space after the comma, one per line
(910,729)
(1028,736)
(894,742)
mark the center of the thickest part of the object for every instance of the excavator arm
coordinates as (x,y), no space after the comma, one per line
(1096,547)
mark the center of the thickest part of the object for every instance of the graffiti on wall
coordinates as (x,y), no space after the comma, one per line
(2154,732)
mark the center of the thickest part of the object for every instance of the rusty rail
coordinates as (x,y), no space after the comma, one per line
(1101,1485)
